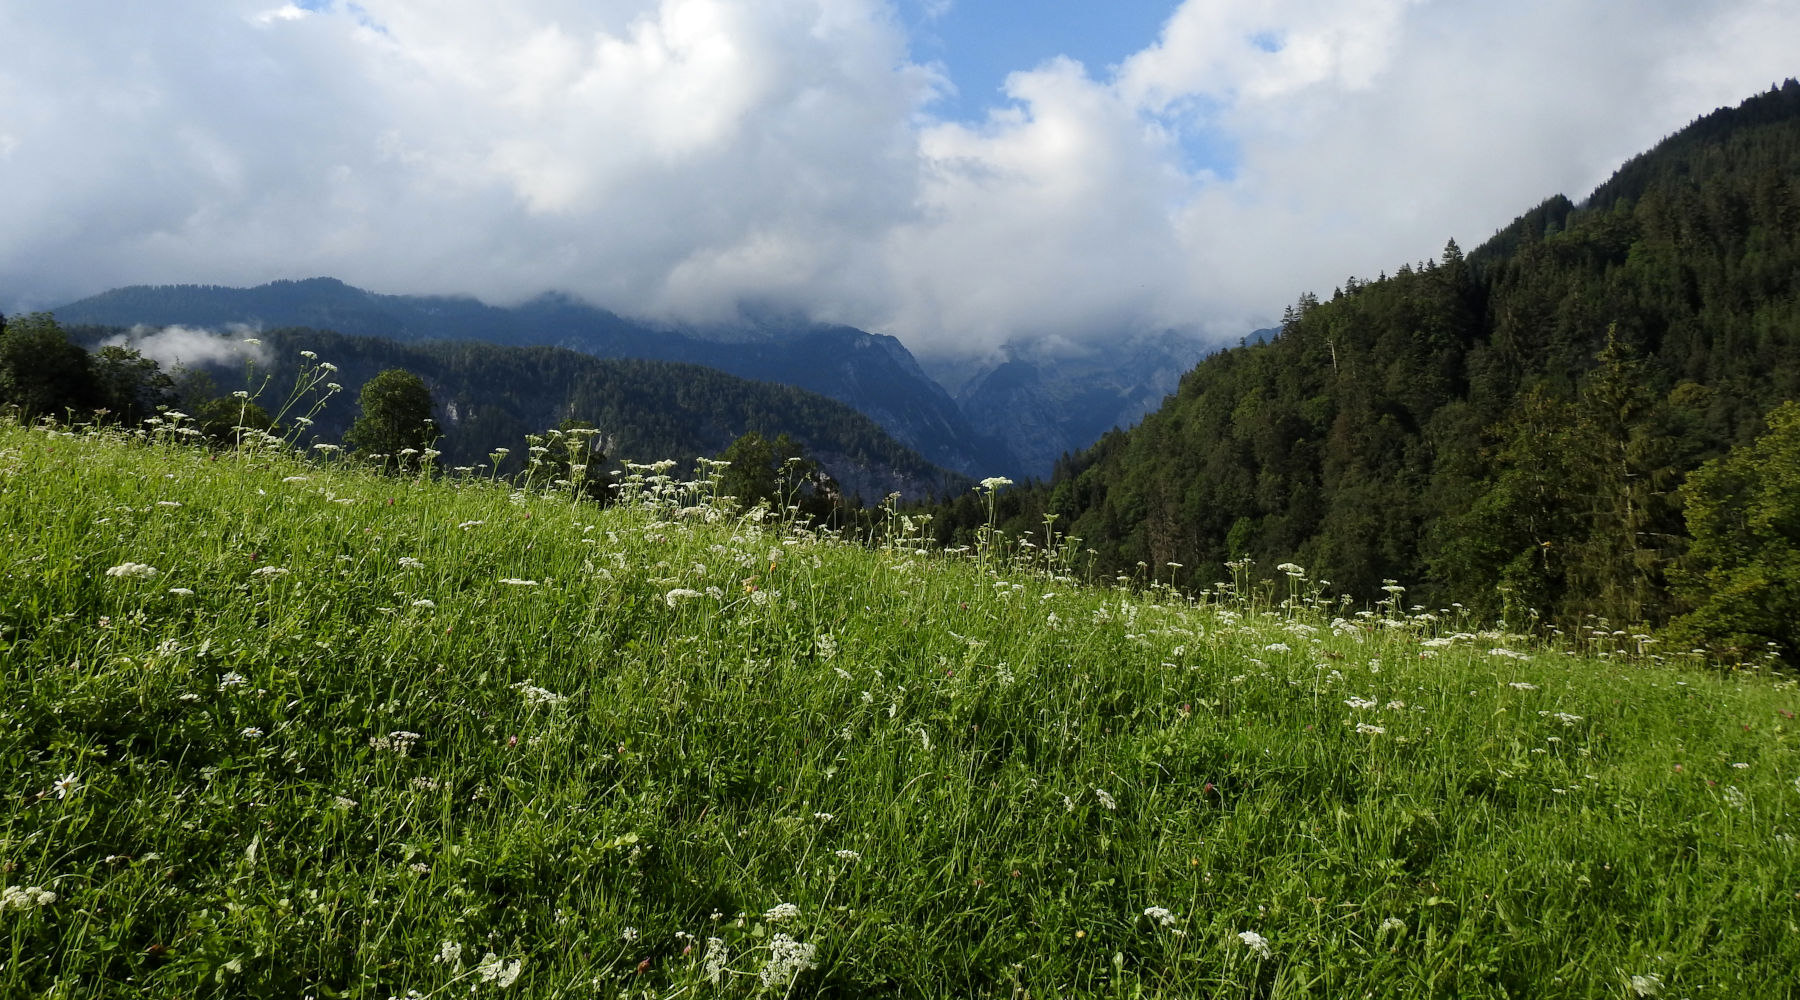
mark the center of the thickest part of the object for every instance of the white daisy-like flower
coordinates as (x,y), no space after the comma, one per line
(64,785)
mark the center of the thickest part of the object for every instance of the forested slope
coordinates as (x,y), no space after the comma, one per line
(1510,429)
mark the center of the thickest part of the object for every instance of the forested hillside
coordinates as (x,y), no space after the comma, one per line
(1510,429)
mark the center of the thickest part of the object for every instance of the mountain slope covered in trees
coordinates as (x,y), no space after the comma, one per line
(1509,429)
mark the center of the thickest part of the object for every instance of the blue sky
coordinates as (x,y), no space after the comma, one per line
(1191,165)
(982,41)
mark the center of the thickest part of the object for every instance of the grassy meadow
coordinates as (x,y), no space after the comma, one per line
(278,728)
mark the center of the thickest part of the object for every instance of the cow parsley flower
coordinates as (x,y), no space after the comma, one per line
(1256,943)
(717,956)
(133,571)
(781,912)
(1368,730)
(787,959)
(1160,915)
(848,855)
(1106,798)
(272,572)
(492,970)
(28,897)
(679,594)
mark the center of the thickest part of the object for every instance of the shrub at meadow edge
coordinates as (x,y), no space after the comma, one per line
(274,728)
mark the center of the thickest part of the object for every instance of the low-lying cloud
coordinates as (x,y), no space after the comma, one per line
(677,159)
(191,347)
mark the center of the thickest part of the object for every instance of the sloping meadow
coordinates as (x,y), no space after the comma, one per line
(272,728)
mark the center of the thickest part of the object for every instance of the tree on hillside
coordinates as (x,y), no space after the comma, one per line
(41,372)
(779,474)
(396,418)
(1743,572)
(128,385)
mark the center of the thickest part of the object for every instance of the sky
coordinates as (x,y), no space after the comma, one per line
(964,174)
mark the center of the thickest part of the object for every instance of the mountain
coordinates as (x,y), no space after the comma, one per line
(490,396)
(1510,429)
(1059,405)
(872,373)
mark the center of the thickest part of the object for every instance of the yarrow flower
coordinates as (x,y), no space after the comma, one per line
(1368,730)
(848,855)
(1160,915)
(133,571)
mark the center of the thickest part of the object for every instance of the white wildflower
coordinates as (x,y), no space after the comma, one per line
(408,562)
(492,970)
(781,912)
(1647,986)
(466,525)
(273,572)
(1360,703)
(28,897)
(787,959)
(1106,798)
(1256,943)
(343,803)
(133,571)
(251,732)
(717,956)
(181,592)
(230,680)
(535,696)
(1392,924)
(824,817)
(1277,647)
(1160,915)
(1368,730)
(827,647)
(993,483)
(1522,686)
(426,603)
(630,934)
(848,855)
(679,594)
(513,581)
(1735,798)
(64,785)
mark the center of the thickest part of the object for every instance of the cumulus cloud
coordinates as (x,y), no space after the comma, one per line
(191,347)
(681,159)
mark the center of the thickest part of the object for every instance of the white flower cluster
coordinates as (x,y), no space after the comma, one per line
(492,970)
(717,955)
(787,959)
(781,912)
(133,571)
(270,572)
(535,696)
(28,897)
(399,741)
(1161,915)
(1256,943)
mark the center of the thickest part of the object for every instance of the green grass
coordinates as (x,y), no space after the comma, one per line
(968,779)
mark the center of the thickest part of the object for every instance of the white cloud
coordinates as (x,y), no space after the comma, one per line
(173,346)
(675,158)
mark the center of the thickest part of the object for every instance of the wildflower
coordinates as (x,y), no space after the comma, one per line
(535,696)
(1277,647)
(1522,686)
(717,955)
(1360,703)
(847,855)
(327,448)
(787,959)
(133,571)
(827,647)
(993,483)
(1646,986)
(419,868)
(1368,730)
(1291,569)
(841,672)
(513,581)
(492,970)
(309,355)
(426,603)
(273,572)
(181,592)
(781,912)
(251,733)
(1393,924)
(64,785)
(1741,766)
(343,803)
(1160,915)
(824,817)
(679,594)
(230,680)
(1735,798)
(466,525)
(28,897)
(630,934)
(1256,943)
(1105,798)
(408,562)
